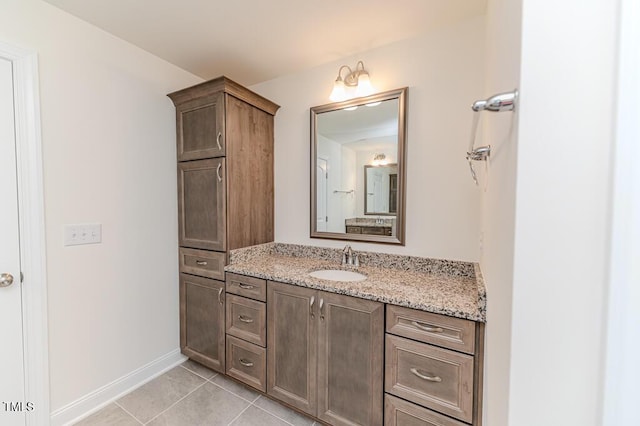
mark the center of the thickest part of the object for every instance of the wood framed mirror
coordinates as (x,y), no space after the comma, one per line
(358,169)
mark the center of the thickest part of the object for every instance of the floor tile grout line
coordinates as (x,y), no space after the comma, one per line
(169,407)
(239,414)
(235,394)
(198,374)
(125,410)
(273,414)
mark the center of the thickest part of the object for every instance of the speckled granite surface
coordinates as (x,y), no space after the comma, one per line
(440,286)
(365,221)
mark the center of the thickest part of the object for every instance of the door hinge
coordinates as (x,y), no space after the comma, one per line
(21,277)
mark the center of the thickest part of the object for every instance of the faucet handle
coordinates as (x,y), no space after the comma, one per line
(356,260)
(344,258)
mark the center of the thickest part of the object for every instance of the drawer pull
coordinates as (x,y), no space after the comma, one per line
(425,377)
(246,362)
(201,263)
(246,286)
(248,320)
(218,141)
(427,327)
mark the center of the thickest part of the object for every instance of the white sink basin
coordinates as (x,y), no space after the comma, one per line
(338,275)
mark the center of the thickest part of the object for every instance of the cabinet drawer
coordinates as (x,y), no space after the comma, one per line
(376,230)
(436,378)
(247,363)
(203,263)
(354,230)
(398,412)
(247,319)
(253,288)
(453,333)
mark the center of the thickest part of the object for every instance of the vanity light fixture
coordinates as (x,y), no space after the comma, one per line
(380,160)
(355,84)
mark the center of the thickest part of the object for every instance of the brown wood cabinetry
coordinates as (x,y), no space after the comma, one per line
(325,354)
(202,320)
(224,136)
(434,362)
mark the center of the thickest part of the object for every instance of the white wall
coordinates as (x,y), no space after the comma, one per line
(562,211)
(444,71)
(498,202)
(108,137)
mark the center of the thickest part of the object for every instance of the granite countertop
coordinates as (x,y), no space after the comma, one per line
(439,286)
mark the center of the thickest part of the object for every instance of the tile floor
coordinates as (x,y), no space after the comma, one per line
(191,395)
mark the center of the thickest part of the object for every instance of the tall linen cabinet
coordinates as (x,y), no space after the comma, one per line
(225,201)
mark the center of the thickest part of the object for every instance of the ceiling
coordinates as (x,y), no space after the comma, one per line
(257,40)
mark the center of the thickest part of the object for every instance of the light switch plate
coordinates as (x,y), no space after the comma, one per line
(87,233)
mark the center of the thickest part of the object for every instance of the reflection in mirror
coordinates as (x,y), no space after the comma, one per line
(381,189)
(365,134)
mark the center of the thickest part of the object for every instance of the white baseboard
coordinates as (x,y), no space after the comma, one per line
(108,393)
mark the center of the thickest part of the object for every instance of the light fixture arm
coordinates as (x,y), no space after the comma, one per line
(351,79)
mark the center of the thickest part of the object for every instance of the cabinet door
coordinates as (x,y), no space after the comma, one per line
(350,360)
(292,345)
(200,128)
(202,204)
(202,320)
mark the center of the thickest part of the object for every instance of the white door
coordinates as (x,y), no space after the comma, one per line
(12,403)
(321,194)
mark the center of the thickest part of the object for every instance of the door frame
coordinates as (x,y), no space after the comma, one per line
(32,229)
(621,372)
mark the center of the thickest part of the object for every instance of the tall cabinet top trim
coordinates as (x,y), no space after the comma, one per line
(226,85)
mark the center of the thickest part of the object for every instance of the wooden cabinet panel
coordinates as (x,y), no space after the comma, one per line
(398,412)
(203,263)
(247,363)
(350,360)
(202,204)
(253,288)
(202,320)
(250,174)
(436,378)
(292,345)
(453,333)
(200,128)
(247,319)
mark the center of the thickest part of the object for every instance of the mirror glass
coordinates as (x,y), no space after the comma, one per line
(357,163)
(381,190)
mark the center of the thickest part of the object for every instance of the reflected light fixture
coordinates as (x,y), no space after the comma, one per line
(380,160)
(354,85)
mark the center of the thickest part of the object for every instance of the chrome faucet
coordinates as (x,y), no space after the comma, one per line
(347,253)
(349,257)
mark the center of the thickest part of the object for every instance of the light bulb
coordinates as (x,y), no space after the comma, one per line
(364,85)
(338,93)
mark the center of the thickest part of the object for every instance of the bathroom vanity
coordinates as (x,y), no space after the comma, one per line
(403,346)
(389,339)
